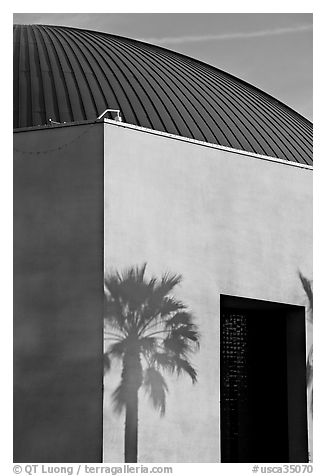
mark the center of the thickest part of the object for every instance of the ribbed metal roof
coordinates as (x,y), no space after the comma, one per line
(68,75)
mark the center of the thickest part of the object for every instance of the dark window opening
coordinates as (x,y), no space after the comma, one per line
(263,382)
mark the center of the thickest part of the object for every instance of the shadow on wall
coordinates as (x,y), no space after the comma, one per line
(307,286)
(149,331)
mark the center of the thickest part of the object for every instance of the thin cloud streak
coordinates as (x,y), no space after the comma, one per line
(228,36)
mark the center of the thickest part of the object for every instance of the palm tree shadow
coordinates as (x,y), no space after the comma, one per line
(150,332)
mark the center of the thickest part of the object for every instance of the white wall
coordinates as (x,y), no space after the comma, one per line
(230,224)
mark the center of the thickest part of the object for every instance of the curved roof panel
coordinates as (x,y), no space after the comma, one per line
(69,75)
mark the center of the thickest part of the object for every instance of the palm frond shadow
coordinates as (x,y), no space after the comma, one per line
(307,286)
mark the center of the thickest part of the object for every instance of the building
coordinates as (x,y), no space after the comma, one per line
(205,176)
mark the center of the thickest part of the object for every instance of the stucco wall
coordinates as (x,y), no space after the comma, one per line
(230,224)
(58,294)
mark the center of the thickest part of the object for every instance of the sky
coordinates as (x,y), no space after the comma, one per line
(272,51)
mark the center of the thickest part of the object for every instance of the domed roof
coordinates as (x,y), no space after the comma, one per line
(68,75)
